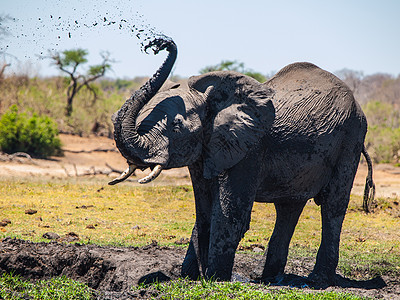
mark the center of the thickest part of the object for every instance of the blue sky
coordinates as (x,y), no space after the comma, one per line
(264,35)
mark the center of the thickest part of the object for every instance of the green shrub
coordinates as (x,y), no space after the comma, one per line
(383,144)
(382,114)
(36,135)
(383,137)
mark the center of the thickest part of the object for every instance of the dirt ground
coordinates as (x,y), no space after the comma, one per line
(83,157)
(111,270)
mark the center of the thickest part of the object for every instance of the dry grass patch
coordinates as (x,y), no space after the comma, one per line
(101,215)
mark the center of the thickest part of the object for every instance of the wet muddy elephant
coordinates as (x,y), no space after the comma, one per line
(295,137)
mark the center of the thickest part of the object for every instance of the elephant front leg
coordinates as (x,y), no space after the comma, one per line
(197,253)
(230,220)
(196,259)
(225,235)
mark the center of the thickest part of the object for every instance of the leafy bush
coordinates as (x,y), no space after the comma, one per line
(382,114)
(36,135)
(383,137)
(383,144)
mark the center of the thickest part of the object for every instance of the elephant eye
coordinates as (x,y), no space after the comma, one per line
(177,124)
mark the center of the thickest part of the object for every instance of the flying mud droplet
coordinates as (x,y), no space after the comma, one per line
(55,31)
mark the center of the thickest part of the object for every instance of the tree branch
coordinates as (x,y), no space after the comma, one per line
(74,58)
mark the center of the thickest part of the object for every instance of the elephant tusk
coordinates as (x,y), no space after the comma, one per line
(153,175)
(124,175)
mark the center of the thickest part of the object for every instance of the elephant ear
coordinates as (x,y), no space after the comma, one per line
(241,112)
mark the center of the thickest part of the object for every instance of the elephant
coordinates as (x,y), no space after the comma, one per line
(296,137)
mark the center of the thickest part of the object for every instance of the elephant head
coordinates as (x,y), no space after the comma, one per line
(217,116)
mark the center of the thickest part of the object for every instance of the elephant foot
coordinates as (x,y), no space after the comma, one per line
(190,270)
(190,267)
(273,280)
(321,280)
(273,274)
(219,272)
(291,280)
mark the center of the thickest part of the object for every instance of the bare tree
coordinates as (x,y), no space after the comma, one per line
(68,62)
(2,69)
(352,78)
(3,32)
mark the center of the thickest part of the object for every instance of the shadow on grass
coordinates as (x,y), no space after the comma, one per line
(293,280)
(153,278)
(290,280)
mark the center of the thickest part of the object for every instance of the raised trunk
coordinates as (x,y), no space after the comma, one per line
(128,140)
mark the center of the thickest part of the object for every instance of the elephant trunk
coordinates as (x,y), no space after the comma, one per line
(133,146)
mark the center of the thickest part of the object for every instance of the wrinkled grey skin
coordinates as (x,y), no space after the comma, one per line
(295,137)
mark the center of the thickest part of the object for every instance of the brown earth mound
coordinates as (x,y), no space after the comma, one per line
(112,271)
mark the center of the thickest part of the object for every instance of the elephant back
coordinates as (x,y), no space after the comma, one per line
(310,101)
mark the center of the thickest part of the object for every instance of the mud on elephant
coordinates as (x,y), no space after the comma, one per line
(295,137)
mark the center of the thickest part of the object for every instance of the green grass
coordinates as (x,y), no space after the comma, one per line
(12,287)
(184,289)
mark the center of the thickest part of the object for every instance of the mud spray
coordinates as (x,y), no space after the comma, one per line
(67,26)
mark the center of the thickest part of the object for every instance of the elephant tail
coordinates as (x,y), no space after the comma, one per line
(369,190)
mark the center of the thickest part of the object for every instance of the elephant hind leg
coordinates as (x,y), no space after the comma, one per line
(334,199)
(287,216)
(328,253)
